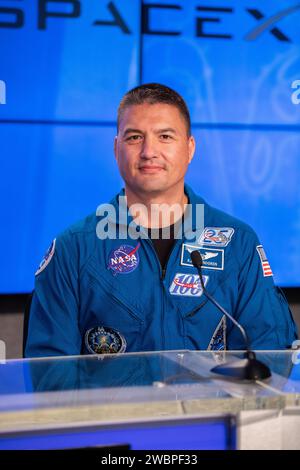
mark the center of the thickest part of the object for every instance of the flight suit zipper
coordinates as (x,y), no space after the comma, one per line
(162,272)
(161,276)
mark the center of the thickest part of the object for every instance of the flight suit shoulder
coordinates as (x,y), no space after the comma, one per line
(78,241)
(86,225)
(219,218)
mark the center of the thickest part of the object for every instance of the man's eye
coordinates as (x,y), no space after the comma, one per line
(134,137)
(166,137)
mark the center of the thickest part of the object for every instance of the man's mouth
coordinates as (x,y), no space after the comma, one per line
(150,168)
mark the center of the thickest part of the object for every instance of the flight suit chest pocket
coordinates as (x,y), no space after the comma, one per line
(109,321)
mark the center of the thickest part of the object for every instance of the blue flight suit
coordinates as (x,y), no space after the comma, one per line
(107,296)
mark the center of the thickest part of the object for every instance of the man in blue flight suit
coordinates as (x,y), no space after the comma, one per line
(111,284)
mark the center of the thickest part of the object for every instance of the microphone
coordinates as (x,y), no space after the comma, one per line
(249,368)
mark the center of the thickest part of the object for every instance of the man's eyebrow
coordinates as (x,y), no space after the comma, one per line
(167,129)
(130,130)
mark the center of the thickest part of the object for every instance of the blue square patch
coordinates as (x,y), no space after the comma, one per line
(212,258)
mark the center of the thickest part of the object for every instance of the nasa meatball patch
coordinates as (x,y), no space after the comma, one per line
(47,258)
(124,259)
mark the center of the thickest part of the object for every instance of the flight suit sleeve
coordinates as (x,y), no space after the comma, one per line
(53,321)
(261,308)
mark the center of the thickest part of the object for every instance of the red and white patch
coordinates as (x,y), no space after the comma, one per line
(267,271)
(188,285)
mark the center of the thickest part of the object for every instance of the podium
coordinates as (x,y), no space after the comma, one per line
(152,400)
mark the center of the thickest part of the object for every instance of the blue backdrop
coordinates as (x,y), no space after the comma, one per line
(66,65)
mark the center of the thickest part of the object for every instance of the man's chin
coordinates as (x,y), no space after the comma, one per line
(153,187)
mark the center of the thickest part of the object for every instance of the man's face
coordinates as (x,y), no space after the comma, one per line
(152,148)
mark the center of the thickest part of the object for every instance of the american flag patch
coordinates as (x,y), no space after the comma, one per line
(264,261)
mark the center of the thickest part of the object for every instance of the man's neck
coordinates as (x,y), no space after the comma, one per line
(156,209)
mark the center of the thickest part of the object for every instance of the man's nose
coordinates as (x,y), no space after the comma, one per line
(149,148)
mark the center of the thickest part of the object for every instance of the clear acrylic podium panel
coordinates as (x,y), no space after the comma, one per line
(143,392)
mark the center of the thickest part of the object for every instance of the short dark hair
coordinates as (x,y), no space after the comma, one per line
(154,93)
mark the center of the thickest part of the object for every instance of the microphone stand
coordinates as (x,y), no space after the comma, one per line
(248,368)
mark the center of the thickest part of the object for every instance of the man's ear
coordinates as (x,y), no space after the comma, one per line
(192,148)
(115,147)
